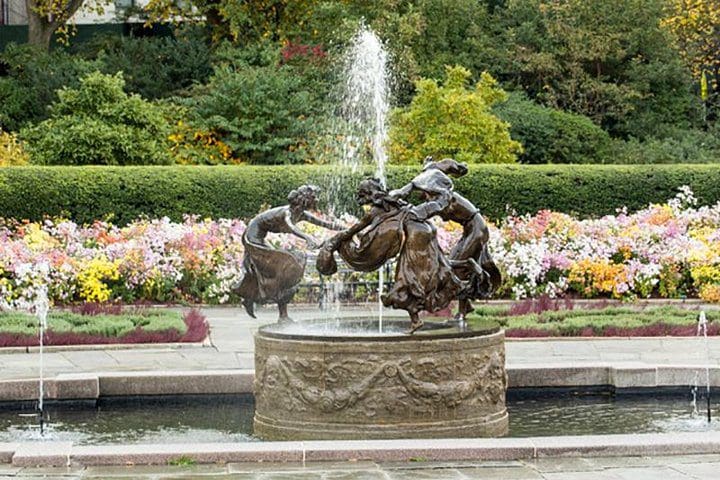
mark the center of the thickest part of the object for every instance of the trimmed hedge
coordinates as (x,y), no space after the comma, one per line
(85,194)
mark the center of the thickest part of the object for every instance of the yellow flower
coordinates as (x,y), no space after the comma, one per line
(92,276)
(38,239)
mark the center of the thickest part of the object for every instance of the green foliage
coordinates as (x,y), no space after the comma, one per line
(124,193)
(607,59)
(98,123)
(32,78)
(105,325)
(552,136)
(12,151)
(452,120)
(262,113)
(573,322)
(686,146)
(182,461)
(153,67)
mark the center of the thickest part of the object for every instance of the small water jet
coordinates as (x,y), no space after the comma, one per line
(702,331)
(42,306)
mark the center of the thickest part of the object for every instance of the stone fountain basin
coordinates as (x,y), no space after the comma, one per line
(352,379)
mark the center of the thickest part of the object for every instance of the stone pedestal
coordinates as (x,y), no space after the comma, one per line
(441,383)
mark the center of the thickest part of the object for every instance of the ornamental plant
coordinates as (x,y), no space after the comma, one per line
(668,250)
(453,119)
(12,151)
(99,124)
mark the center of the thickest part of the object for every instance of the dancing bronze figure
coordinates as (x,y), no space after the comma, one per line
(272,274)
(470,258)
(379,233)
(424,279)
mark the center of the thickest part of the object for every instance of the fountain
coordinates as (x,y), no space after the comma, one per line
(375,378)
(702,330)
(42,306)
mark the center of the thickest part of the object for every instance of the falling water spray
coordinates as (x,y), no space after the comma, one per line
(702,330)
(363,110)
(42,306)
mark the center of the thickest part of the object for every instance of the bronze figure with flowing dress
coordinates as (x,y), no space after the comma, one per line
(424,279)
(273,274)
(470,258)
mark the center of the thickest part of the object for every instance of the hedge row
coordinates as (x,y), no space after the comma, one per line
(124,193)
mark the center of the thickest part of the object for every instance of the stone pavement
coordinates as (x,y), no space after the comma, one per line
(231,347)
(690,467)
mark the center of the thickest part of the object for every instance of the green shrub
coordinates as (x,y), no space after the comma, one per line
(552,136)
(263,114)
(124,193)
(98,123)
(154,67)
(453,120)
(32,80)
(682,146)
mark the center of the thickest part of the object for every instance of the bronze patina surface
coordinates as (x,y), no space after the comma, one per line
(273,274)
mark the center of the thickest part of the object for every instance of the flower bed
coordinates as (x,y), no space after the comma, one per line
(670,250)
(71,328)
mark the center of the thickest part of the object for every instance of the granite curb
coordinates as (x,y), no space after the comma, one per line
(106,346)
(53,454)
(92,386)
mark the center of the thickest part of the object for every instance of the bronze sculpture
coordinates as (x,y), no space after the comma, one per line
(423,276)
(379,233)
(273,274)
(470,258)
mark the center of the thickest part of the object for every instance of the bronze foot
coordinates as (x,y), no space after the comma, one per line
(249,307)
(415,326)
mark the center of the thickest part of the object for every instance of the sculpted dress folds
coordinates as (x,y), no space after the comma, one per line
(470,258)
(272,274)
(423,278)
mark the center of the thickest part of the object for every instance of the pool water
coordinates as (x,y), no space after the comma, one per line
(229,418)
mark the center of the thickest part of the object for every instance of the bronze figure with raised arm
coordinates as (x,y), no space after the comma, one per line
(470,258)
(424,280)
(273,274)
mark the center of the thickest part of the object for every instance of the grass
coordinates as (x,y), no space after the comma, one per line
(609,321)
(101,327)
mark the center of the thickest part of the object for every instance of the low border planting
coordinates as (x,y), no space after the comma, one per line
(71,328)
(597,321)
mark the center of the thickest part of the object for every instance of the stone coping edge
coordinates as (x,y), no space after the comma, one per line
(107,346)
(92,386)
(60,454)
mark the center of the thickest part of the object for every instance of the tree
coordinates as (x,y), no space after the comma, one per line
(46,17)
(242,21)
(263,114)
(453,120)
(696,25)
(607,59)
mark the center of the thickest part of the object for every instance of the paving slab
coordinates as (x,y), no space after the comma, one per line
(648,473)
(570,475)
(511,473)
(697,470)
(42,454)
(575,464)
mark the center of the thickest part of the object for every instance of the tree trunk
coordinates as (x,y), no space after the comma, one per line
(40,26)
(39,30)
